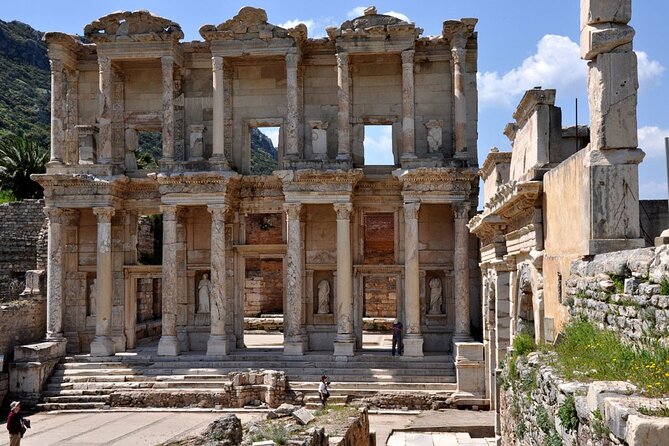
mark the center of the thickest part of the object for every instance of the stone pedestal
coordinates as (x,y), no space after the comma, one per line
(102,346)
(344,348)
(470,368)
(33,365)
(218,345)
(413,345)
(168,346)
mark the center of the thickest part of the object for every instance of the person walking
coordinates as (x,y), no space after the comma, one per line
(16,424)
(397,337)
(323,391)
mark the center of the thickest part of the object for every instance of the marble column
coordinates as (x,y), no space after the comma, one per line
(293,343)
(293,115)
(344,344)
(459,53)
(408,113)
(461,271)
(218,134)
(218,343)
(57,111)
(167,63)
(344,104)
(71,155)
(413,339)
(169,345)
(105,119)
(54,276)
(102,344)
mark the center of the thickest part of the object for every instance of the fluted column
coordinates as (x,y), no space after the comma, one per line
(54,276)
(168,345)
(344,102)
(218,152)
(413,339)
(105,119)
(218,343)
(102,344)
(408,95)
(167,63)
(293,112)
(57,111)
(461,271)
(293,343)
(458,53)
(345,341)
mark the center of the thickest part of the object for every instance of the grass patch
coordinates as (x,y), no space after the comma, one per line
(587,353)
(6,196)
(277,432)
(524,343)
(662,411)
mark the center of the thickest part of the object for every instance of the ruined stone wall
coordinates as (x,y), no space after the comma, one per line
(539,408)
(21,223)
(625,291)
(380,296)
(263,287)
(21,322)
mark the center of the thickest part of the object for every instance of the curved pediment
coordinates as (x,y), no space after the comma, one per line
(135,26)
(250,23)
(374,25)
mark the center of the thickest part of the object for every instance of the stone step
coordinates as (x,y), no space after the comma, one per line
(77,399)
(71,406)
(94,372)
(293,371)
(378,387)
(334,399)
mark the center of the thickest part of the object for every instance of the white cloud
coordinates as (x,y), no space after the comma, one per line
(556,64)
(360,10)
(649,70)
(379,145)
(651,140)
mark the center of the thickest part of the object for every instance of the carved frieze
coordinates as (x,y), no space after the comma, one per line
(134,26)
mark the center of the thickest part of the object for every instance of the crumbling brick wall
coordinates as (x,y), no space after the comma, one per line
(21,223)
(263,287)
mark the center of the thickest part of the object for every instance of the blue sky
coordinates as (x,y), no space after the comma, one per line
(522,44)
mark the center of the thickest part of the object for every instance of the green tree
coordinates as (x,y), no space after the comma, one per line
(20,158)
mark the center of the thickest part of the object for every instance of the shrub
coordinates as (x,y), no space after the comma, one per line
(567,414)
(524,343)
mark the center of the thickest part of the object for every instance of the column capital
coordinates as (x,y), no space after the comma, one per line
(218,211)
(169,212)
(343,210)
(70,217)
(105,63)
(56,65)
(293,210)
(407,56)
(104,214)
(461,210)
(292,59)
(411,210)
(217,63)
(342,58)
(167,61)
(53,214)
(458,54)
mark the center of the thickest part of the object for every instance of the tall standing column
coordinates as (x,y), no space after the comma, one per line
(461,271)
(345,341)
(344,103)
(218,343)
(293,98)
(54,276)
(459,53)
(168,345)
(293,343)
(413,339)
(102,344)
(71,155)
(57,111)
(408,113)
(105,119)
(218,152)
(168,107)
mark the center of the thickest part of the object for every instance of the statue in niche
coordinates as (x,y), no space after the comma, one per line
(323,297)
(92,297)
(436,296)
(203,292)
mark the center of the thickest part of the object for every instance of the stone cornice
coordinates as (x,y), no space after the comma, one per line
(529,102)
(312,180)
(189,183)
(437,179)
(132,26)
(492,160)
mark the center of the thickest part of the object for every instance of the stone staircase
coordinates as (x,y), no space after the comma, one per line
(85,382)
(438,438)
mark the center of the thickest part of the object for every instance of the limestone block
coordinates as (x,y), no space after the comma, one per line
(602,11)
(659,268)
(647,431)
(612,86)
(599,390)
(603,38)
(304,416)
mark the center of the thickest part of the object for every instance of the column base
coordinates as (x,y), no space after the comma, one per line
(102,346)
(219,162)
(343,157)
(293,346)
(344,345)
(218,345)
(168,346)
(413,345)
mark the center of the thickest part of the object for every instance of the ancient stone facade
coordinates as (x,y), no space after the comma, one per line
(312,241)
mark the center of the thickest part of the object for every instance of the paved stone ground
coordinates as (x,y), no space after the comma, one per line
(152,427)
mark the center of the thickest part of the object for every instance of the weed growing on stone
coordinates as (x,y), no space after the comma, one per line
(543,420)
(586,352)
(598,426)
(664,287)
(619,282)
(523,344)
(277,432)
(567,414)
(661,411)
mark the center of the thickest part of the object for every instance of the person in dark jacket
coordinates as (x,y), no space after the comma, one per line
(397,337)
(15,424)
